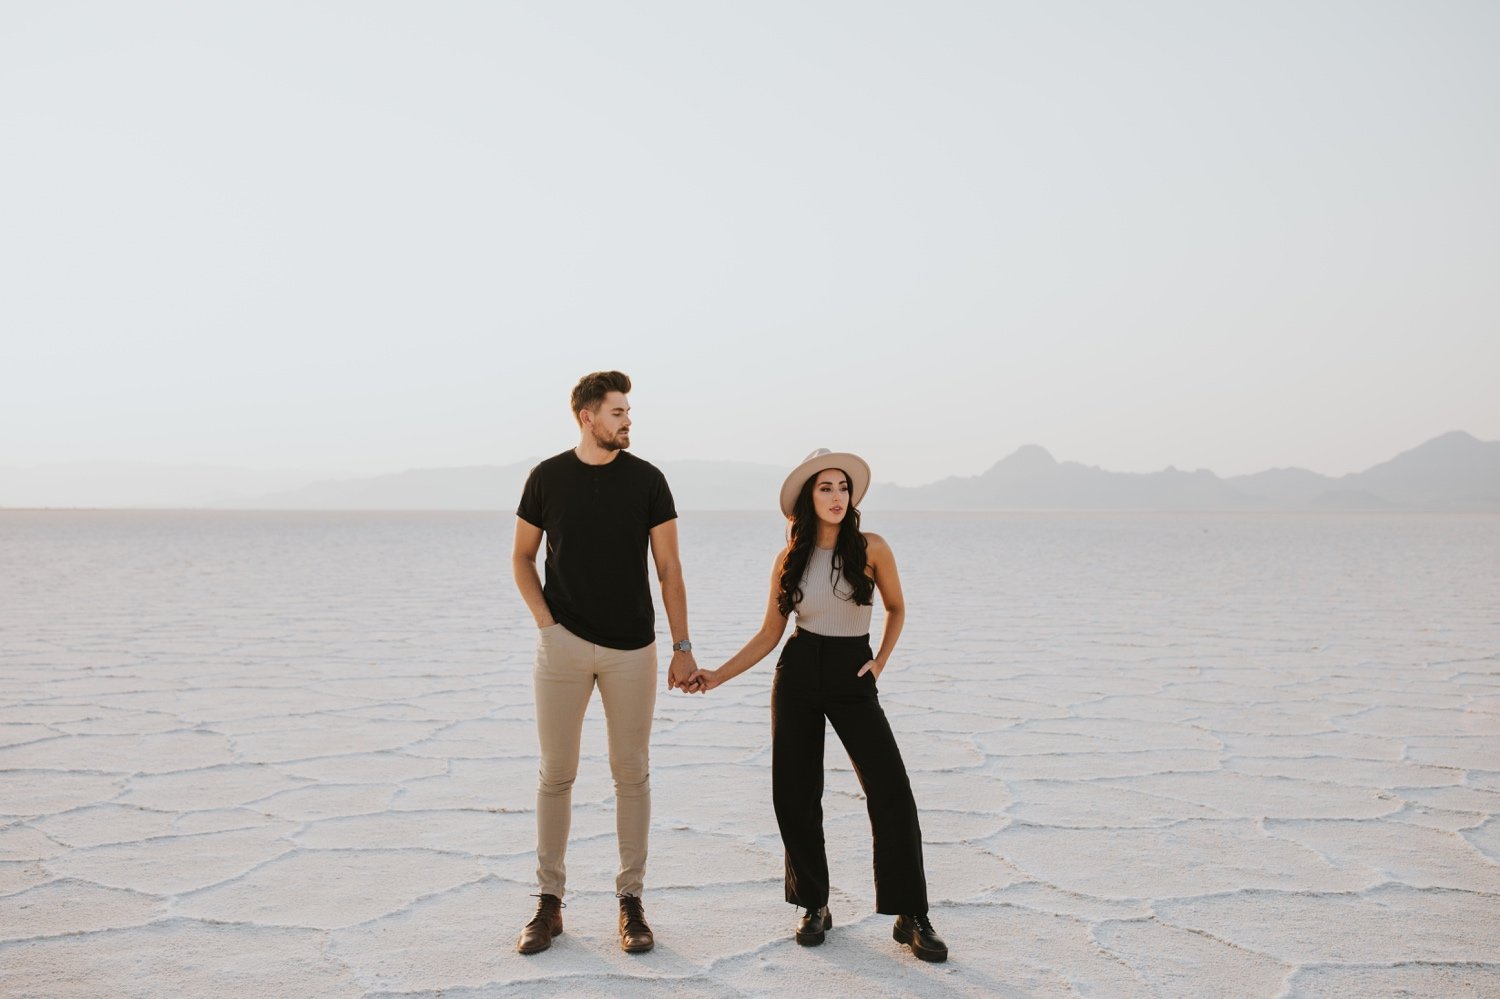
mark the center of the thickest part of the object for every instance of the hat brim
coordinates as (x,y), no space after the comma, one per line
(850,464)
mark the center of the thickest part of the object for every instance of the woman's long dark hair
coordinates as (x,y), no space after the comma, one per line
(850,551)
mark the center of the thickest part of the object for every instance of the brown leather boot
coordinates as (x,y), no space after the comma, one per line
(546,924)
(635,935)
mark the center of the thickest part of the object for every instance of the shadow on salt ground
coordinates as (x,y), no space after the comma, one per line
(862,959)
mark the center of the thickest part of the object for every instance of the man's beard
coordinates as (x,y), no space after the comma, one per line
(612,442)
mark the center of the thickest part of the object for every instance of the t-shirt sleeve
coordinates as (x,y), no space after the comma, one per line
(533,506)
(662,508)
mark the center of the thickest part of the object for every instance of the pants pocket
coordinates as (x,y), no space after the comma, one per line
(547,640)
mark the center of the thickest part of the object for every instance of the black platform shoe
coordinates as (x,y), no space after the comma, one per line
(813,924)
(917,933)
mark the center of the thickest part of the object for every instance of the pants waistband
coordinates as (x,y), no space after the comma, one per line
(813,636)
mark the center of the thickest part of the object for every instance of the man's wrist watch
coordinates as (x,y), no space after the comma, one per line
(682,646)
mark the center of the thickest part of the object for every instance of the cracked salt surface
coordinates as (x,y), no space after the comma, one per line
(1155,756)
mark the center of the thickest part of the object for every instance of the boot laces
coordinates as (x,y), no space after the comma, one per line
(547,904)
(632,906)
(923,923)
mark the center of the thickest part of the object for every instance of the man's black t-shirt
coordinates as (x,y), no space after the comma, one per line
(598,520)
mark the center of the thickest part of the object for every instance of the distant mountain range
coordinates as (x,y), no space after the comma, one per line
(1452,473)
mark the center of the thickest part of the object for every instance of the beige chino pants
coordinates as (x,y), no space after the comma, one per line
(567,668)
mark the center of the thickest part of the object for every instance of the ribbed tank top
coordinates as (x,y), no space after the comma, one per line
(827,606)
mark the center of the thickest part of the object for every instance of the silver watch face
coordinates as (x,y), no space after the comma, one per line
(682,646)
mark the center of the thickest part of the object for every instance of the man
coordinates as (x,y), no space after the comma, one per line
(599,507)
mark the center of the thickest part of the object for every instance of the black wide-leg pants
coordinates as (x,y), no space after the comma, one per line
(816,678)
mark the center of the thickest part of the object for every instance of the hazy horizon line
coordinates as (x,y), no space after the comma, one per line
(338,474)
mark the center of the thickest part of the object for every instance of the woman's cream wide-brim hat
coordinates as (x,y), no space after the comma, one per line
(851,465)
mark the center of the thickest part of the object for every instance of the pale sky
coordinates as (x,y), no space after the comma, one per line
(363,237)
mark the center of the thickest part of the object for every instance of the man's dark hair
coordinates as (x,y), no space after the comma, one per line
(591,389)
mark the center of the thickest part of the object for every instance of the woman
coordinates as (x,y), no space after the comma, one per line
(827,576)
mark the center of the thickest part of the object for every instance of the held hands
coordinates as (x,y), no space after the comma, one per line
(681,672)
(702,681)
